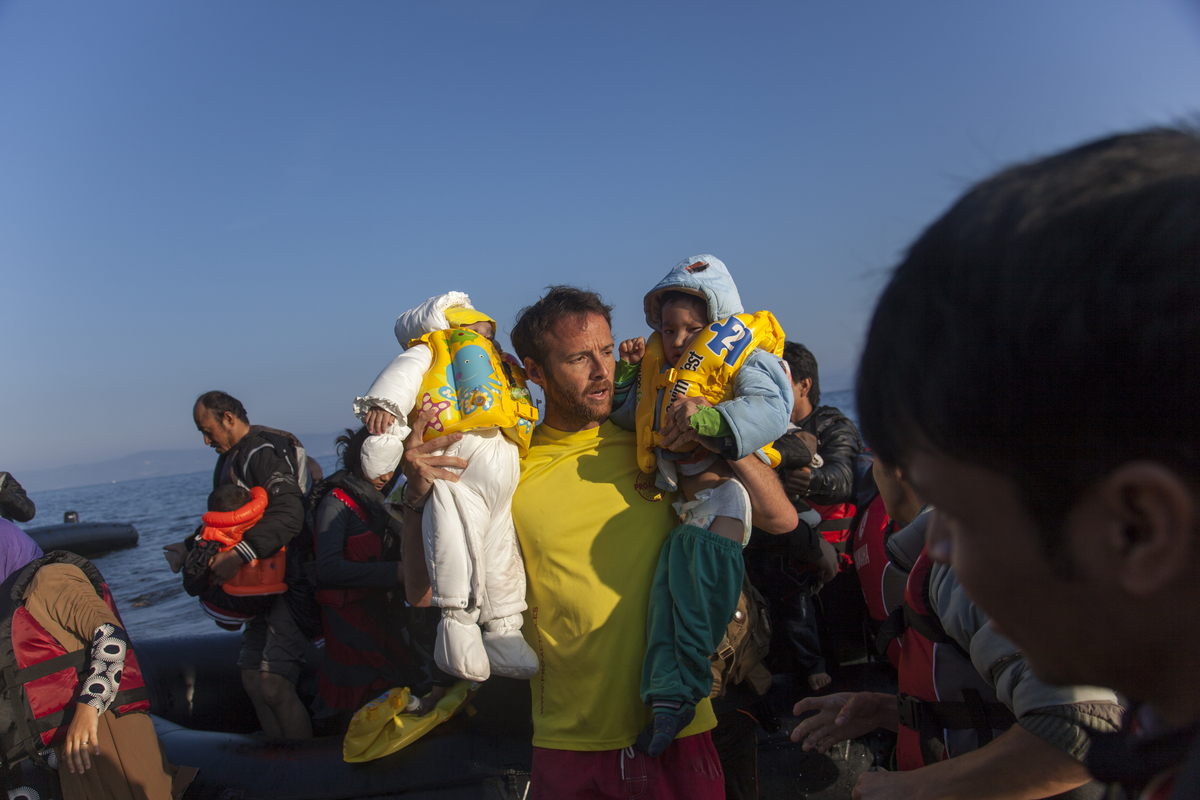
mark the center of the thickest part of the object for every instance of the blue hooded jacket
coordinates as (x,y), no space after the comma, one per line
(761,409)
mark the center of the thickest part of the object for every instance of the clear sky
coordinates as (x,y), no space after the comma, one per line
(244,195)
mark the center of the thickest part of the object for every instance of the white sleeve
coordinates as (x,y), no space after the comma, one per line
(396,388)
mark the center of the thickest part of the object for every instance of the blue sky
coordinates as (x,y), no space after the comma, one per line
(235,195)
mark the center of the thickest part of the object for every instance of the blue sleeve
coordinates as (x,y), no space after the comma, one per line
(761,409)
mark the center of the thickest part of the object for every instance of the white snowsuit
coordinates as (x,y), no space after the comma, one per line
(471,550)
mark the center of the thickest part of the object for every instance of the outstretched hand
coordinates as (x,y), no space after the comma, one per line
(842,716)
(423,463)
(632,351)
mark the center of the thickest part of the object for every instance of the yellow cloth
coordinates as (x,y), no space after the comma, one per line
(382,727)
(460,317)
(591,526)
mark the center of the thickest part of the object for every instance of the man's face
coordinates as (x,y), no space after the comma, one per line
(578,374)
(982,528)
(218,433)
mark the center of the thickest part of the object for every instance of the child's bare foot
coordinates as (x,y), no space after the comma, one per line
(819,680)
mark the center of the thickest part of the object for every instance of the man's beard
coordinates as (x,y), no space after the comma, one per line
(577,408)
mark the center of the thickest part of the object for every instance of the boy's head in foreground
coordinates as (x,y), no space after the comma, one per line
(229,497)
(1034,366)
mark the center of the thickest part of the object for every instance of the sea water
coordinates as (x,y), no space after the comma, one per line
(166,510)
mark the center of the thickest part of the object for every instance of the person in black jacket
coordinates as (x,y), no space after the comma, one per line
(838,441)
(818,471)
(15,505)
(273,644)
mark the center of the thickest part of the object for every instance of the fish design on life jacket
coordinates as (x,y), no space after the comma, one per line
(472,374)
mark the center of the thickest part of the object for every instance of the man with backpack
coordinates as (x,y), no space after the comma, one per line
(273,643)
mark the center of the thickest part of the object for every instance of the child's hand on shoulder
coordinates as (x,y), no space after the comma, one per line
(632,351)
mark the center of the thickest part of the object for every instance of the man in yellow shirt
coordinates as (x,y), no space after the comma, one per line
(591,526)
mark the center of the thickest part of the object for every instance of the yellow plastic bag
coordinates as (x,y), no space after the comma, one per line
(381,727)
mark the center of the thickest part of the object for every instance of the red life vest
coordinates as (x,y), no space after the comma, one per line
(873,566)
(946,706)
(41,678)
(361,548)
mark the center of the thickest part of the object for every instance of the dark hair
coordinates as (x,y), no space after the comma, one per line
(349,449)
(229,497)
(803,364)
(1047,326)
(695,302)
(529,335)
(218,403)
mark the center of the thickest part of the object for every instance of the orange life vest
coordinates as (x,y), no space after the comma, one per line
(260,576)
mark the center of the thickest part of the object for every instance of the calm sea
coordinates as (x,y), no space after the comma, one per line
(165,510)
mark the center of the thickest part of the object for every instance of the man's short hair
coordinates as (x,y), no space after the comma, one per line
(229,497)
(534,321)
(803,364)
(218,403)
(1047,327)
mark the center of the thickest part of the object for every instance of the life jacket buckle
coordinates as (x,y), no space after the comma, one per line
(913,713)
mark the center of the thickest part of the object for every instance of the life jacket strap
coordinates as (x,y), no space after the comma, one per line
(904,617)
(930,718)
(79,660)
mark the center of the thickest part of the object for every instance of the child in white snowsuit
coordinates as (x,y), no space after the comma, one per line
(471,550)
(699,341)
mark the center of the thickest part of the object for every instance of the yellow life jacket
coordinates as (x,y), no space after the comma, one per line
(471,386)
(707,369)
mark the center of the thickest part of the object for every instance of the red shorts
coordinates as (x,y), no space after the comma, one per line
(688,770)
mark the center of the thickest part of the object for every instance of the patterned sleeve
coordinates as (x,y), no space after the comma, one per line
(99,688)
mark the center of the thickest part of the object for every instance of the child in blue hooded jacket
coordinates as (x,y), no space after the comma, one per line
(699,574)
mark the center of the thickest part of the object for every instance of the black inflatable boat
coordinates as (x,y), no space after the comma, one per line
(87,539)
(205,720)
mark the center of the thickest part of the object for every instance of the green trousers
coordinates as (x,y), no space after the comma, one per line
(693,597)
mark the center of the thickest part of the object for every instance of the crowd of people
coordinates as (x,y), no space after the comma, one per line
(1015,532)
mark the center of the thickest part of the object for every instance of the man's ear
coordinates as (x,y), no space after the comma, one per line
(1152,530)
(534,372)
(805,385)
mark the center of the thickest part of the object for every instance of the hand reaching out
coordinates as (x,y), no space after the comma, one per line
(842,716)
